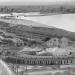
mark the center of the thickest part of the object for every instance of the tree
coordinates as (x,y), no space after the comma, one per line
(53,42)
(64,42)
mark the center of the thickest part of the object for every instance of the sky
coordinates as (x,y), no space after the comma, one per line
(29,1)
(34,0)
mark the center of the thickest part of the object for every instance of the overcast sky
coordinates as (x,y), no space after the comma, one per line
(28,1)
(34,0)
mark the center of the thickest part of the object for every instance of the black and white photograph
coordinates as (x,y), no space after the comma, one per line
(37,37)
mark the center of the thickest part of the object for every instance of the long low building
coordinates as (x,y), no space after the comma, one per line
(35,60)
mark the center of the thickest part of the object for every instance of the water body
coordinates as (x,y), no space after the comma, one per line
(64,21)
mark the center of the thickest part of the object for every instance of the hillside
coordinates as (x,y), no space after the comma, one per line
(35,32)
(17,37)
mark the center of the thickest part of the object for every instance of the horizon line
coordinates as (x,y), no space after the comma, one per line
(35,3)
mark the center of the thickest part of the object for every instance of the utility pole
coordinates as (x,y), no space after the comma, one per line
(16,66)
(26,65)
